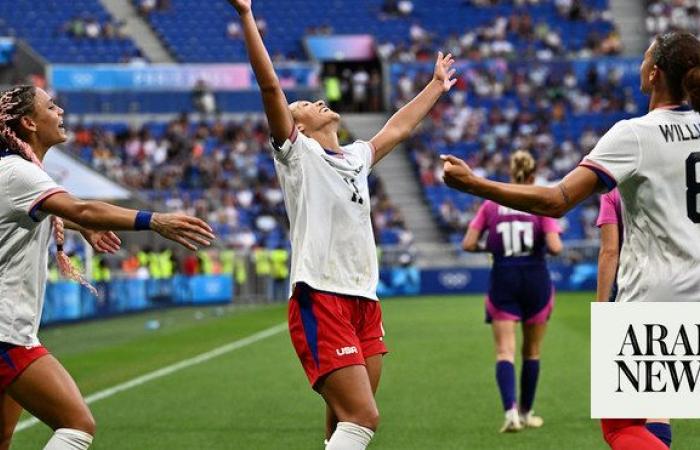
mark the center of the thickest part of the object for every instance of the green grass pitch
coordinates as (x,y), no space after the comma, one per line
(438,389)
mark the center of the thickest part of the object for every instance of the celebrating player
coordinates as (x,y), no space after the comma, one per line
(334,317)
(30,378)
(519,290)
(653,161)
(610,224)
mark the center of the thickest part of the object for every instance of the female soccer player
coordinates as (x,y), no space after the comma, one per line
(610,224)
(30,378)
(653,161)
(519,290)
(334,317)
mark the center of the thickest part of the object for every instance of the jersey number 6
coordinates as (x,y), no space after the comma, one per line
(693,185)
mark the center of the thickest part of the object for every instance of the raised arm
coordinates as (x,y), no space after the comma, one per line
(94,215)
(277,111)
(553,201)
(403,122)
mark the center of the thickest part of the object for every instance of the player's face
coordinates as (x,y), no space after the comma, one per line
(648,70)
(312,116)
(47,120)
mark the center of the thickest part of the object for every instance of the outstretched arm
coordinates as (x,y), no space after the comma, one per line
(402,123)
(93,215)
(101,241)
(274,101)
(552,201)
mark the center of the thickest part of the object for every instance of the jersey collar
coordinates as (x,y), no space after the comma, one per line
(683,107)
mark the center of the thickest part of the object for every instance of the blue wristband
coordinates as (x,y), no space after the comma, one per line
(143,220)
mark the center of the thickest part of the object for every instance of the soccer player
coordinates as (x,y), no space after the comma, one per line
(520,290)
(30,378)
(334,316)
(653,161)
(610,224)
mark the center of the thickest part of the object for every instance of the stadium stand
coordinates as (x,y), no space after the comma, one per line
(221,171)
(554,110)
(474,28)
(76,31)
(672,15)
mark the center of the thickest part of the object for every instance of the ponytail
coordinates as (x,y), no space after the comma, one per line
(14,104)
(691,86)
(522,166)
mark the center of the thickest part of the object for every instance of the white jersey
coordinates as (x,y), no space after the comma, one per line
(327,200)
(24,243)
(655,161)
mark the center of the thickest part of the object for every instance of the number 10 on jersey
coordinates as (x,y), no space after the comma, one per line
(518,237)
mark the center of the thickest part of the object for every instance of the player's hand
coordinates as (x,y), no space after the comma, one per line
(457,173)
(183,229)
(102,241)
(444,72)
(242,6)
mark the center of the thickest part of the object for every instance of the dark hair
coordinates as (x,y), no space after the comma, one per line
(522,166)
(678,55)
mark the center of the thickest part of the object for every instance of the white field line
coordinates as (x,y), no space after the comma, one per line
(167,370)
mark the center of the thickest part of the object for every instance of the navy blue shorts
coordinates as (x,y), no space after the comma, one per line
(521,293)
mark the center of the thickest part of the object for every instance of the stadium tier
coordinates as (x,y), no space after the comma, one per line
(221,171)
(75,31)
(195,33)
(555,110)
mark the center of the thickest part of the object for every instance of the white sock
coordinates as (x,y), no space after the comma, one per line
(69,439)
(349,436)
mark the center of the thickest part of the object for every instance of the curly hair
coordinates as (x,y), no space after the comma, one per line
(16,103)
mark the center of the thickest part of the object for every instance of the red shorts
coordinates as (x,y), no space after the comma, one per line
(330,331)
(14,359)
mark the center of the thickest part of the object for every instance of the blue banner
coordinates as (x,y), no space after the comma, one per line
(173,77)
(458,280)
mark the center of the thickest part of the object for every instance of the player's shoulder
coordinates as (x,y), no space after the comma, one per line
(12,164)
(358,146)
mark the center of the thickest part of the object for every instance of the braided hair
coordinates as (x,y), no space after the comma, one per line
(16,103)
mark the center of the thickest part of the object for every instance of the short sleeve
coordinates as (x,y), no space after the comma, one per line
(616,156)
(550,225)
(290,148)
(368,153)
(608,209)
(28,189)
(478,223)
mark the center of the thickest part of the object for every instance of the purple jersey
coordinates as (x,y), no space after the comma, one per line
(514,237)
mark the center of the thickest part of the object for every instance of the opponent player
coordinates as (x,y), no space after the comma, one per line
(30,378)
(520,290)
(653,161)
(334,316)
(610,224)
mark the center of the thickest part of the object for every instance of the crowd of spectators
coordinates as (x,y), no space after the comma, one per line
(88,27)
(218,170)
(498,108)
(672,15)
(519,34)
